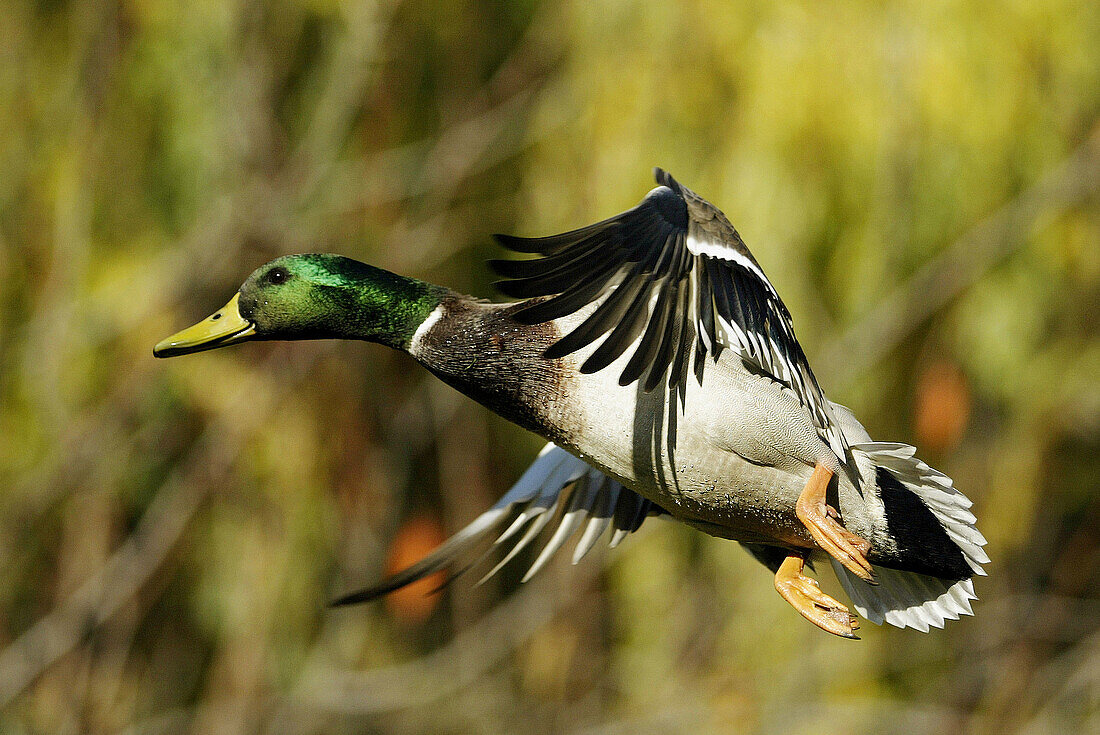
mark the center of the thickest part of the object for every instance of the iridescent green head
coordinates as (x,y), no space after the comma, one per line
(314,296)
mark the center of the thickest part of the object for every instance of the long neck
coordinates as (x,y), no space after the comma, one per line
(378,306)
(483,352)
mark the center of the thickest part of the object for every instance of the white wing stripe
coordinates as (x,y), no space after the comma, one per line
(725,252)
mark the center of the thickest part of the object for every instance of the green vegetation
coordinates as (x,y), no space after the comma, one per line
(921,181)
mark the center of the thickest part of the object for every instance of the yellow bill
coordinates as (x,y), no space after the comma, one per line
(225,326)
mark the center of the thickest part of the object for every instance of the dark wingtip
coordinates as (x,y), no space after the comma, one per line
(511,242)
(514,289)
(525,315)
(558,350)
(664,178)
(524,244)
(498,265)
(356,598)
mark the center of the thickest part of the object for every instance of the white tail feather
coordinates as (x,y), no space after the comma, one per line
(908,599)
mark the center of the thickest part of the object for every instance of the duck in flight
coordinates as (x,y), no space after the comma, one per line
(659,362)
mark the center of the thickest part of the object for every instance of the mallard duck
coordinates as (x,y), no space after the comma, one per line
(658,360)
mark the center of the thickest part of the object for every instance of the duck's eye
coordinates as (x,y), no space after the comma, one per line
(278,276)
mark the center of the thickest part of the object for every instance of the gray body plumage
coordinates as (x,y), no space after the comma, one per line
(728,456)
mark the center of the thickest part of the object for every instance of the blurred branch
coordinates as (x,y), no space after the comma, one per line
(173,721)
(449,668)
(959,266)
(676,718)
(105,592)
(444,162)
(143,552)
(348,74)
(435,168)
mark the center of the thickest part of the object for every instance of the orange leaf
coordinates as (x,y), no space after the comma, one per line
(942,406)
(416,538)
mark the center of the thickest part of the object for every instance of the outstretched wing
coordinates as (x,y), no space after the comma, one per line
(668,273)
(557,491)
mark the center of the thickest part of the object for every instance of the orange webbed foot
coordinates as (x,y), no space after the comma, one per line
(810,602)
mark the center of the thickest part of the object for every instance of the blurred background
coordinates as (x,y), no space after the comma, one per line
(920,180)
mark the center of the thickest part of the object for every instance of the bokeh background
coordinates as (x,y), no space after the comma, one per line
(921,180)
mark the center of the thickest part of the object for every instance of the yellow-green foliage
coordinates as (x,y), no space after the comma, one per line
(920,179)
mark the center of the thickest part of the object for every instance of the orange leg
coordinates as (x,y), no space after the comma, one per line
(810,602)
(844,546)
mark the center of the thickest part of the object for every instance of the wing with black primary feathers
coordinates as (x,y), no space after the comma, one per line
(668,273)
